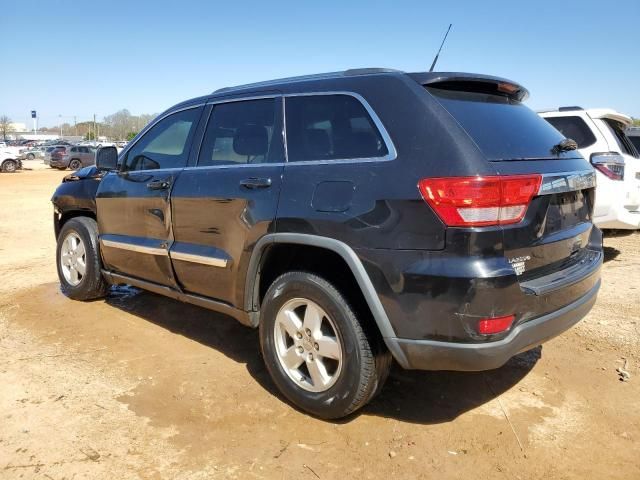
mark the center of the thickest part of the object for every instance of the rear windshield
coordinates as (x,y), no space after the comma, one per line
(574,128)
(503,129)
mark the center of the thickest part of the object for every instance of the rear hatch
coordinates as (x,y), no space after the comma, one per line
(548,246)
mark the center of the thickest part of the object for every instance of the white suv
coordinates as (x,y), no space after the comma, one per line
(601,139)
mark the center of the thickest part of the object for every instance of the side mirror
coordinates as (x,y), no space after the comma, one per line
(107,158)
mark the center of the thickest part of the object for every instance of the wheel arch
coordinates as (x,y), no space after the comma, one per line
(351,260)
(59,219)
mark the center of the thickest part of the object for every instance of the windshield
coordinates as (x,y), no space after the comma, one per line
(502,128)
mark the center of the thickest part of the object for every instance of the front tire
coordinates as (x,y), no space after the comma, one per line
(9,166)
(316,350)
(78,260)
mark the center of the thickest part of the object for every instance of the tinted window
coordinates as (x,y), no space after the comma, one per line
(240,133)
(574,128)
(636,141)
(166,144)
(330,127)
(502,128)
(624,144)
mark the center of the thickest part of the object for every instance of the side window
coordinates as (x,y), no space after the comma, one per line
(166,144)
(331,127)
(622,140)
(240,132)
(74,149)
(574,128)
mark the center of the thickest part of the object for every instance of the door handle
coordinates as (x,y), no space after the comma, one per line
(254,183)
(158,185)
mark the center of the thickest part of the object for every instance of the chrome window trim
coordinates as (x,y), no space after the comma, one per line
(202,259)
(144,131)
(216,101)
(567,181)
(133,247)
(240,165)
(392,153)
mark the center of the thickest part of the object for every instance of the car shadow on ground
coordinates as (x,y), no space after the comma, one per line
(411,396)
(610,253)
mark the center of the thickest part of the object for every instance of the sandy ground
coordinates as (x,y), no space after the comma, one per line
(139,386)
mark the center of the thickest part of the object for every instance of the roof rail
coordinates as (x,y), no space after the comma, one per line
(319,76)
(569,109)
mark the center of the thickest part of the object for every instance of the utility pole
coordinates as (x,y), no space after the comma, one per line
(94,128)
(60,116)
(75,125)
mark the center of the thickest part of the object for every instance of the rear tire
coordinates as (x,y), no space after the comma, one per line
(78,260)
(9,166)
(31,156)
(352,365)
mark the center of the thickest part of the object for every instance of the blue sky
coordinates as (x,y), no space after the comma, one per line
(81,57)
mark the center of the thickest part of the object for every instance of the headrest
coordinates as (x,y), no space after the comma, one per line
(251,140)
(318,144)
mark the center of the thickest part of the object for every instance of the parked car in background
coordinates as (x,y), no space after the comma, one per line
(634,135)
(600,135)
(399,217)
(74,157)
(33,153)
(9,162)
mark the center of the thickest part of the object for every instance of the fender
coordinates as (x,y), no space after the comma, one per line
(351,259)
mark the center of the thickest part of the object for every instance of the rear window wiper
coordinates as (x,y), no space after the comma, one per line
(565,145)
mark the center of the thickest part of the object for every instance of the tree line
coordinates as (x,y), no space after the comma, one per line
(121,125)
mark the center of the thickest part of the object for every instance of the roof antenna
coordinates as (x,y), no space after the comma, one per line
(435,60)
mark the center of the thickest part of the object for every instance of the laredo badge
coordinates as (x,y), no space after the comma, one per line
(518,264)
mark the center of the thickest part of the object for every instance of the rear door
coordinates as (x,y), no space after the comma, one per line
(134,215)
(227,200)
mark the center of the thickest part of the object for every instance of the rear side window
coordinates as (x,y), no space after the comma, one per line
(502,128)
(623,141)
(240,133)
(574,128)
(636,141)
(166,144)
(331,127)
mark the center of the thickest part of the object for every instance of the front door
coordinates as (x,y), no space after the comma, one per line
(228,200)
(134,214)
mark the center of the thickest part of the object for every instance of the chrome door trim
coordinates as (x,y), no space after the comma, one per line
(133,247)
(567,181)
(202,259)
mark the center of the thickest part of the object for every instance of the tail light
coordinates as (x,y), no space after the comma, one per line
(610,164)
(480,201)
(488,326)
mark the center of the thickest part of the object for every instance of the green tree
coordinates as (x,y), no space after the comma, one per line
(636,122)
(90,136)
(131,135)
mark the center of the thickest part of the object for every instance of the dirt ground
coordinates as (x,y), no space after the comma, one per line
(139,386)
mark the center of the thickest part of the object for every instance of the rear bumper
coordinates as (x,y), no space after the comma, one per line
(436,355)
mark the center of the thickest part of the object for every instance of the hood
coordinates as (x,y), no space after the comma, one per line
(90,172)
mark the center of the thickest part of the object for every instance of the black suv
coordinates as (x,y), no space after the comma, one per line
(352,217)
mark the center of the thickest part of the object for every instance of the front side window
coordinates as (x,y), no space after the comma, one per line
(166,144)
(574,128)
(331,127)
(239,133)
